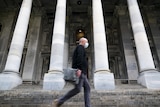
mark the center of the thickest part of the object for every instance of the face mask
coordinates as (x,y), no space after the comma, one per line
(86,45)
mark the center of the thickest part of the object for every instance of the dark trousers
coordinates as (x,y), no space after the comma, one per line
(83,81)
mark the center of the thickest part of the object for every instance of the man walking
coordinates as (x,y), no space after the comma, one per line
(79,62)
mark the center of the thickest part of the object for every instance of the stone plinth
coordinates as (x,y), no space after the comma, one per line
(151,80)
(53,81)
(9,81)
(104,81)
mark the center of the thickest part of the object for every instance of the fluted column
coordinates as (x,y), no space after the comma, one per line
(103,79)
(149,77)
(54,79)
(10,76)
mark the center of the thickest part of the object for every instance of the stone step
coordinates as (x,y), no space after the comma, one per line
(122,96)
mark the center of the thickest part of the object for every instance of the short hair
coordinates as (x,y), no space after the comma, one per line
(81,39)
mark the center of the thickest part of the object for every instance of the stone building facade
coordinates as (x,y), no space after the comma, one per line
(37,39)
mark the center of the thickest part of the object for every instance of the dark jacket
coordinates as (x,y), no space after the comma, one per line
(79,60)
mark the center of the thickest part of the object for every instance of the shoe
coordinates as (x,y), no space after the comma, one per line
(55,103)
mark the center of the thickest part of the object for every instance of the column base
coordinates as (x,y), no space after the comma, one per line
(151,80)
(104,81)
(53,81)
(9,81)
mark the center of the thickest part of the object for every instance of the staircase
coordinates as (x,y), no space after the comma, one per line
(123,96)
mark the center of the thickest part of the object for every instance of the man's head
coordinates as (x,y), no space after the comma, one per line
(83,42)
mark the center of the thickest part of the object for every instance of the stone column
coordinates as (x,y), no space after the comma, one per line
(31,61)
(149,77)
(10,76)
(54,79)
(103,79)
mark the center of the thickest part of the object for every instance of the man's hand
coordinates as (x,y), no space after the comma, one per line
(79,73)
